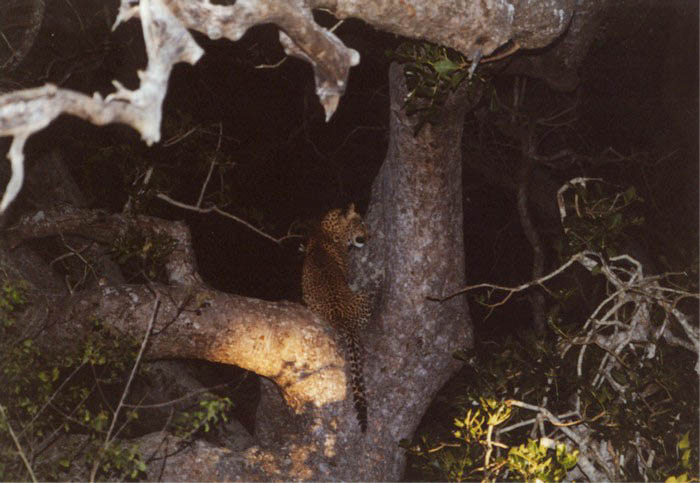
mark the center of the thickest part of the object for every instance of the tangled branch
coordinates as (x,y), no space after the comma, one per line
(621,336)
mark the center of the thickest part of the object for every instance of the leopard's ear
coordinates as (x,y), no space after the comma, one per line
(351,209)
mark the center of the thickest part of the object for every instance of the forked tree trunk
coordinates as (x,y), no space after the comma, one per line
(417,245)
(416,251)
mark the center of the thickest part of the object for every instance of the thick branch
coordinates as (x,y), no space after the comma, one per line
(558,66)
(468,27)
(278,340)
(300,36)
(97,225)
(473,28)
(281,341)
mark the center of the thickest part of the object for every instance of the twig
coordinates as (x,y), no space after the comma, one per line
(216,209)
(46,404)
(560,194)
(575,258)
(510,51)
(211,169)
(17,445)
(177,400)
(584,463)
(271,66)
(178,137)
(108,439)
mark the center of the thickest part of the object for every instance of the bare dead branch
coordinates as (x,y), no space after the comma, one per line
(583,444)
(473,28)
(216,209)
(511,290)
(20,451)
(23,113)
(299,34)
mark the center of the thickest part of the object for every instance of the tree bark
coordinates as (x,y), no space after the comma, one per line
(418,247)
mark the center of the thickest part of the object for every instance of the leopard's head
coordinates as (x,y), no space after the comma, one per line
(345,227)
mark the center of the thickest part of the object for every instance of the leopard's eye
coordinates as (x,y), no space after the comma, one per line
(358,241)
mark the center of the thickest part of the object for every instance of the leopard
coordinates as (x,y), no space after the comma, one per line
(326,290)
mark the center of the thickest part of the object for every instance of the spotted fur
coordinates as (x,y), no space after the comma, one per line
(328,294)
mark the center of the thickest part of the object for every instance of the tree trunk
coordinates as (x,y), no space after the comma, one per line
(417,239)
(416,251)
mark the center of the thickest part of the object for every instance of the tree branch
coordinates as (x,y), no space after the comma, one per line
(528,148)
(468,27)
(197,322)
(180,264)
(216,209)
(299,34)
(23,113)
(473,28)
(20,451)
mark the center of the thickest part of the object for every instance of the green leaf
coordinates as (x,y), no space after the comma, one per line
(566,459)
(445,67)
(685,459)
(616,220)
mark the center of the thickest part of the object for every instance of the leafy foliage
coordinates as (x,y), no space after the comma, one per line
(534,461)
(143,254)
(528,370)
(12,299)
(604,221)
(477,452)
(432,73)
(48,398)
(206,414)
(615,379)
(56,409)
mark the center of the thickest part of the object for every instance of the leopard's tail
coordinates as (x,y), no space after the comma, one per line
(357,381)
